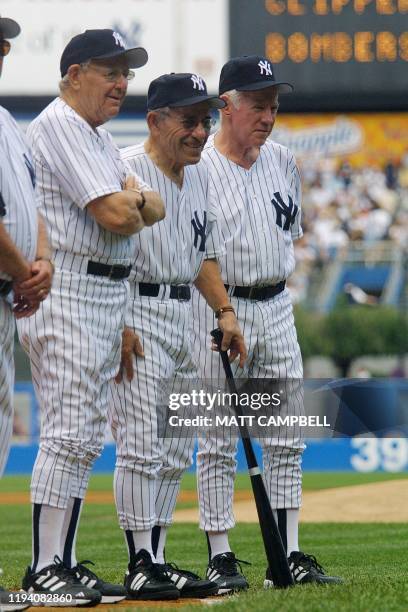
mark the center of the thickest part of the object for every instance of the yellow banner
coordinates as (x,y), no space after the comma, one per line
(363,139)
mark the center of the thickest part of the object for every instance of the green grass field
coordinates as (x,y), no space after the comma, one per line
(372,558)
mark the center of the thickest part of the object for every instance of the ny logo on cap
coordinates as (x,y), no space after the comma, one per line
(198,82)
(118,39)
(265,65)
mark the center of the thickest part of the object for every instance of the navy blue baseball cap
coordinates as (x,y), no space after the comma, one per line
(180,89)
(100,44)
(250,73)
(9,28)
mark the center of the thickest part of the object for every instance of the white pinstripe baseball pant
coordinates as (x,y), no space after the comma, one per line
(273,352)
(73,342)
(149,469)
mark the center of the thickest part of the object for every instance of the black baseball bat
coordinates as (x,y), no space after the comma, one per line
(274,549)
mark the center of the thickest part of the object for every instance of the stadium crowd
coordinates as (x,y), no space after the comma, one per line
(344,204)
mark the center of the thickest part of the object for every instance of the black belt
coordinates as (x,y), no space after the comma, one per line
(114,272)
(257,293)
(177,292)
(5,287)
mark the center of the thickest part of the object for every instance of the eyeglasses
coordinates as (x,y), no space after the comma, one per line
(5,47)
(112,76)
(190,123)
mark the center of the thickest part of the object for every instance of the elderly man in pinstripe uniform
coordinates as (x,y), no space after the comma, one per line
(258,190)
(93,205)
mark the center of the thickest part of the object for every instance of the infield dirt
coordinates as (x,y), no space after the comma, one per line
(381,502)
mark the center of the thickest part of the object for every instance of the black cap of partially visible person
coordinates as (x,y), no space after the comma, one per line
(100,44)
(250,73)
(9,28)
(180,89)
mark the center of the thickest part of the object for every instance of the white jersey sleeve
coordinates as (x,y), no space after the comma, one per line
(215,244)
(77,155)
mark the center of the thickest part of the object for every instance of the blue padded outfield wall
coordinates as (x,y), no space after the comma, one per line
(387,453)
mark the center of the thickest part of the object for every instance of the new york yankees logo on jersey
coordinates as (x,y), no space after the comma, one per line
(199,230)
(285,213)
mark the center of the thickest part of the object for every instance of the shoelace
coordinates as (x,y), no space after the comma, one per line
(85,570)
(173,567)
(154,570)
(62,570)
(309,561)
(228,563)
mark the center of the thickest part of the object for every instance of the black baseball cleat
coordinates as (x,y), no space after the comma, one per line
(11,601)
(146,580)
(188,583)
(61,586)
(225,570)
(305,570)
(111,593)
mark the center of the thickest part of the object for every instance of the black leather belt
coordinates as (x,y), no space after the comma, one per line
(257,293)
(5,287)
(114,272)
(177,292)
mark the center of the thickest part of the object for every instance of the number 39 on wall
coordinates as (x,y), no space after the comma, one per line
(388,454)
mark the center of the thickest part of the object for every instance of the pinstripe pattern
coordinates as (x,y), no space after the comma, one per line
(258,253)
(74,346)
(167,253)
(19,216)
(16,188)
(74,338)
(6,379)
(163,328)
(74,165)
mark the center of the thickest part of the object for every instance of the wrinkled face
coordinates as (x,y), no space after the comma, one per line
(183,132)
(102,89)
(253,120)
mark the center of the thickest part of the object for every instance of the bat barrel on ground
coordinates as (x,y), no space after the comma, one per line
(274,549)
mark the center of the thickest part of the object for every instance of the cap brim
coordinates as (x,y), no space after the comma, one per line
(9,28)
(136,57)
(213,101)
(282,85)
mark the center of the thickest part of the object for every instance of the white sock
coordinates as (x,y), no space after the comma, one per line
(136,540)
(292,529)
(161,543)
(47,527)
(217,543)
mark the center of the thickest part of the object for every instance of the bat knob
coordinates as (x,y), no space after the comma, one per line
(217,335)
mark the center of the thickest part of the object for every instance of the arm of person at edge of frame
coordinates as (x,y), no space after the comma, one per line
(210,285)
(37,288)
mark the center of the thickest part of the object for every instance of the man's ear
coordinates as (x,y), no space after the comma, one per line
(153,119)
(227,109)
(73,76)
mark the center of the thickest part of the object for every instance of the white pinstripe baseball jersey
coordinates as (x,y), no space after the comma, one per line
(75,164)
(17,204)
(173,250)
(259,214)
